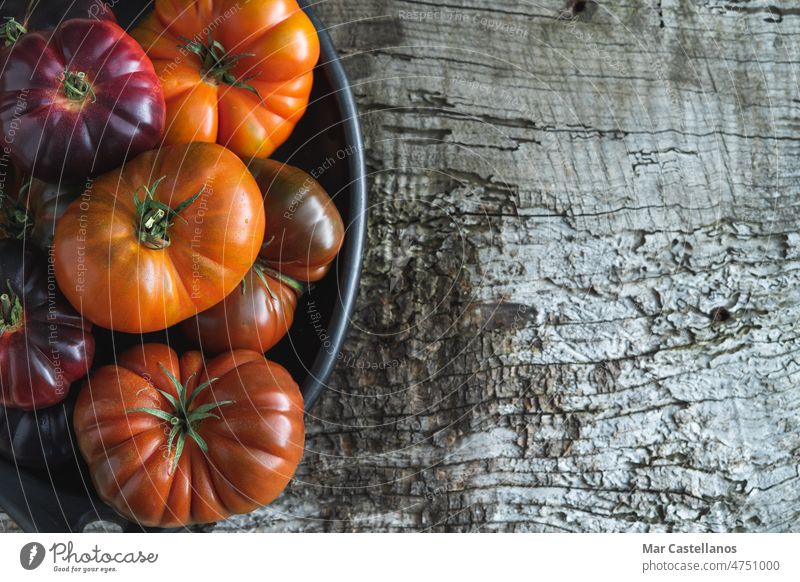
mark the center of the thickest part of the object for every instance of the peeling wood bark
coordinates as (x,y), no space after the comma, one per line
(580,299)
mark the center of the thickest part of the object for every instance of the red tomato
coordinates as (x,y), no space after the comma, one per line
(170,442)
(255,316)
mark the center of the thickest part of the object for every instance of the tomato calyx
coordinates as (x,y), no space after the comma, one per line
(11,30)
(262,270)
(10,311)
(77,87)
(154,218)
(18,223)
(183,419)
(218,63)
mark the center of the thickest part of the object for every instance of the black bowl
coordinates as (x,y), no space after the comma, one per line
(328,137)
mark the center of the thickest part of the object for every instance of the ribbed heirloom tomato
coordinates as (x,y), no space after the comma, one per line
(169,234)
(78,100)
(44,345)
(238,73)
(173,442)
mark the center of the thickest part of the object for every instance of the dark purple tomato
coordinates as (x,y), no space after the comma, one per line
(44,344)
(38,438)
(78,101)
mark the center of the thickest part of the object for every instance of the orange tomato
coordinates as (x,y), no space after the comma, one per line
(166,236)
(236,73)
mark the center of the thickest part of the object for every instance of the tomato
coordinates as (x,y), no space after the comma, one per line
(304,230)
(255,316)
(168,235)
(38,438)
(173,442)
(44,344)
(34,210)
(46,204)
(238,73)
(78,101)
(19,16)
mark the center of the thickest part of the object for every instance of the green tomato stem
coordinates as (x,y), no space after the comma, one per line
(77,86)
(262,269)
(11,30)
(183,419)
(10,310)
(154,218)
(18,222)
(218,63)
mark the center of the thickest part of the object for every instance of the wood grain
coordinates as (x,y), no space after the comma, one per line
(580,297)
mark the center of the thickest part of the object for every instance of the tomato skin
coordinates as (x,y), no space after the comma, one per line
(304,230)
(250,318)
(51,346)
(42,205)
(118,282)
(47,14)
(57,138)
(254,446)
(40,438)
(202,108)
(46,204)
(38,204)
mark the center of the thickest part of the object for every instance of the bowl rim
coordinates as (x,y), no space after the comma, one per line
(352,253)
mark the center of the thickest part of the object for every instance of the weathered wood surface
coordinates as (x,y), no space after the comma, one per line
(580,300)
